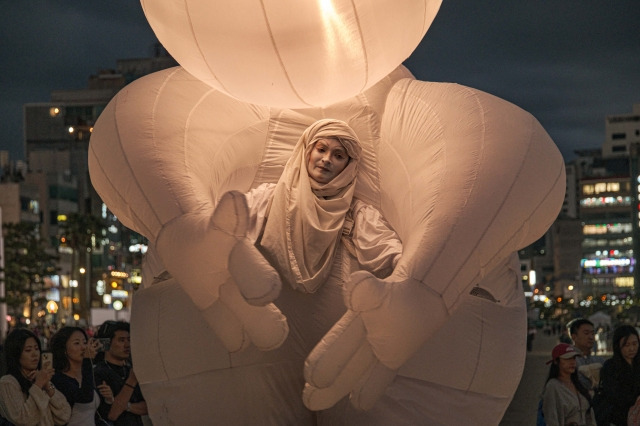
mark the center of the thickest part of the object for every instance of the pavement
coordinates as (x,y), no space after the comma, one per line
(523,408)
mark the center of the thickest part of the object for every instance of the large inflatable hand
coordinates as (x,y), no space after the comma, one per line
(244,280)
(384,326)
(198,232)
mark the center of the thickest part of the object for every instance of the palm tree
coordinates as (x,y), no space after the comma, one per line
(79,232)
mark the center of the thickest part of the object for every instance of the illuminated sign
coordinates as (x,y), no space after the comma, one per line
(597,263)
(119,294)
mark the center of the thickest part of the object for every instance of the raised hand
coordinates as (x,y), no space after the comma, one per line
(386,322)
(41,377)
(235,293)
(93,346)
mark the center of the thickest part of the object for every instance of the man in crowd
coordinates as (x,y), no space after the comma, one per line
(583,337)
(116,370)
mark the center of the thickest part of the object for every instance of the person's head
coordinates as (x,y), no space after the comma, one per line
(563,360)
(625,343)
(68,345)
(22,353)
(331,147)
(583,335)
(563,365)
(120,343)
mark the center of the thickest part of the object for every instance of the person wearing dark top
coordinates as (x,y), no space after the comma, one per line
(116,371)
(72,355)
(620,377)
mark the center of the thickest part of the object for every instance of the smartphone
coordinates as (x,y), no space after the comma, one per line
(47,360)
(105,343)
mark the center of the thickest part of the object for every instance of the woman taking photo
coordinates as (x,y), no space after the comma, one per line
(27,396)
(619,378)
(565,400)
(72,357)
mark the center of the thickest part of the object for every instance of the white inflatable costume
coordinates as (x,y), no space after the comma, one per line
(464,178)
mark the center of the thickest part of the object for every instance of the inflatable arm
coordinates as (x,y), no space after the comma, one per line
(166,188)
(466,180)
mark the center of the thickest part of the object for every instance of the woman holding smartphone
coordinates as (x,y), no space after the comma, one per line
(27,396)
(72,355)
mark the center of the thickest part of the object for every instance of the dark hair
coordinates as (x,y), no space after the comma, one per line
(58,345)
(620,336)
(575,324)
(13,347)
(108,329)
(554,372)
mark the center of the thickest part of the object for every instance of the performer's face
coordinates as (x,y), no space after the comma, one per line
(327,159)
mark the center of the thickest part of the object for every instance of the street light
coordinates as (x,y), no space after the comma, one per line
(72,284)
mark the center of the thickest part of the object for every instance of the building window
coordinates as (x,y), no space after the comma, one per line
(617,136)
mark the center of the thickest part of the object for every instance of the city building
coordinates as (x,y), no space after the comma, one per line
(99,258)
(608,210)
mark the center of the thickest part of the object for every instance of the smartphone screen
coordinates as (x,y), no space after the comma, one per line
(47,360)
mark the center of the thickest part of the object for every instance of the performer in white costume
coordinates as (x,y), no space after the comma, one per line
(301,220)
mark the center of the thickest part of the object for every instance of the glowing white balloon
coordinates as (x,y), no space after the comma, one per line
(291,54)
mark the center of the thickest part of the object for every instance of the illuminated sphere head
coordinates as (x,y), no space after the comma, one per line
(290,54)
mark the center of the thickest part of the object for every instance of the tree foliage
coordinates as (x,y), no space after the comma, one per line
(26,264)
(80,230)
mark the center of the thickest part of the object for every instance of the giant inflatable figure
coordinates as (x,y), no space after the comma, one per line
(465,180)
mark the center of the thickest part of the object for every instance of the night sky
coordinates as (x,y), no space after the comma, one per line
(568,62)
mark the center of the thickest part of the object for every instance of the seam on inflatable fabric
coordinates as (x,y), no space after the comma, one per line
(362,46)
(164,367)
(221,301)
(275,49)
(482,339)
(154,144)
(534,210)
(374,149)
(184,144)
(266,145)
(387,143)
(425,28)
(195,40)
(470,192)
(225,182)
(138,222)
(129,165)
(479,161)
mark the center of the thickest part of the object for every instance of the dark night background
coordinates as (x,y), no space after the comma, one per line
(568,62)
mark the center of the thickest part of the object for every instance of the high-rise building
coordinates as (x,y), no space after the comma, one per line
(57,137)
(608,192)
